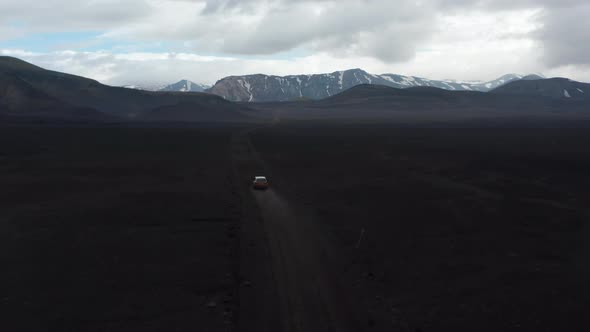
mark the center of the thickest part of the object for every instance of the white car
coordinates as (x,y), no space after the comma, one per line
(260,182)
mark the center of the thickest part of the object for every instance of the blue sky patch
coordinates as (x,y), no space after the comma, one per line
(49,42)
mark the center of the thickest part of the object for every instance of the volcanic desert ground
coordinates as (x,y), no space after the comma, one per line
(366,227)
(389,209)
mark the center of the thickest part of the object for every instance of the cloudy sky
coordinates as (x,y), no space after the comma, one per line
(151,42)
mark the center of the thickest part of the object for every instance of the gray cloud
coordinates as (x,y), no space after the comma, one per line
(68,15)
(216,6)
(566,36)
(565,29)
(376,28)
(390,31)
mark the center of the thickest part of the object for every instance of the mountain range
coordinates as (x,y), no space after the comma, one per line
(265,88)
(31,92)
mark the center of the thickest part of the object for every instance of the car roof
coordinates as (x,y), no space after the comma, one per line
(260,178)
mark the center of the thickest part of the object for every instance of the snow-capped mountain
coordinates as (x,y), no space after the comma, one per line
(145,87)
(265,88)
(185,86)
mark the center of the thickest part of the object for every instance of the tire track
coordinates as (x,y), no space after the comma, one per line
(300,269)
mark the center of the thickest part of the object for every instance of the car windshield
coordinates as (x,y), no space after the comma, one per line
(260,180)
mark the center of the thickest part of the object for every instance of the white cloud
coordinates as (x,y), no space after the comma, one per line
(155,69)
(566,36)
(378,28)
(462,39)
(68,15)
(479,46)
(164,68)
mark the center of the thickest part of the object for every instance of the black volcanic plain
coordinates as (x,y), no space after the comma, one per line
(463,228)
(116,229)
(389,210)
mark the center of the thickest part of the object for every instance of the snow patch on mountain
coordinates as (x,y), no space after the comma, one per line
(133,87)
(248,88)
(146,87)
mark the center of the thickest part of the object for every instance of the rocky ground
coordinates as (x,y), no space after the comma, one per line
(365,227)
(447,229)
(117,229)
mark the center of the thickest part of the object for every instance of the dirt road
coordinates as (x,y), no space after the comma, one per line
(294,283)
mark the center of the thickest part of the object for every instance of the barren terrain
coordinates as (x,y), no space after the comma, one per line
(465,226)
(440,229)
(117,229)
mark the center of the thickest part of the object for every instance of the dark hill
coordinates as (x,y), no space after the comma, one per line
(367,91)
(374,102)
(79,92)
(19,100)
(376,94)
(191,112)
(532,77)
(556,88)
